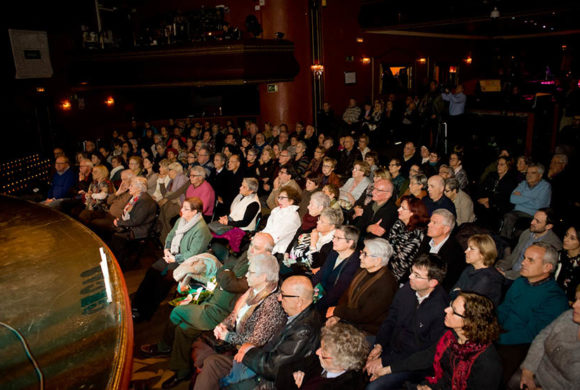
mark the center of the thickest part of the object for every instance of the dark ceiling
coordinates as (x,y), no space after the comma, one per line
(471,19)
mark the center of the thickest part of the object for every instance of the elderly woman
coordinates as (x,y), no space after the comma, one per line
(340,357)
(553,361)
(162,182)
(314,168)
(200,188)
(257,316)
(464,357)
(480,276)
(310,250)
(318,201)
(417,187)
(366,302)
(406,236)
(173,197)
(328,175)
(356,185)
(569,274)
(462,201)
(284,219)
(136,220)
(456,163)
(136,165)
(244,213)
(190,236)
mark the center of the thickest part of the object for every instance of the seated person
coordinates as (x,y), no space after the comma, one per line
(257,316)
(417,186)
(189,237)
(366,302)
(529,196)
(311,250)
(414,323)
(285,179)
(63,181)
(553,361)
(296,341)
(462,201)
(311,185)
(341,356)
(318,202)
(138,216)
(437,199)
(541,230)
(480,276)
(339,268)
(400,182)
(377,218)
(244,212)
(531,303)
(187,322)
(333,192)
(465,356)
(328,175)
(356,185)
(172,197)
(284,220)
(569,274)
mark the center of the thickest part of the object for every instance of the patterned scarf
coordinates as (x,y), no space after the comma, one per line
(462,357)
(128,207)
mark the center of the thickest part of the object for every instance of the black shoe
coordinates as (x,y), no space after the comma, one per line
(152,350)
(174,381)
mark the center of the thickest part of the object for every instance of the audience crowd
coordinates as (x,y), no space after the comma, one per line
(356,255)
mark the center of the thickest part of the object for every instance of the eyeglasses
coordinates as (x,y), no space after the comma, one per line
(288,296)
(416,275)
(195,175)
(339,238)
(282,197)
(365,254)
(454,312)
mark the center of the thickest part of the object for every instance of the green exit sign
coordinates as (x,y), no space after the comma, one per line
(272,88)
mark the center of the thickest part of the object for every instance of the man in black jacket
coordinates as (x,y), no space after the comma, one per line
(377,218)
(298,339)
(415,322)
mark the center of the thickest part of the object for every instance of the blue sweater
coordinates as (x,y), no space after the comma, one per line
(61,185)
(529,308)
(531,199)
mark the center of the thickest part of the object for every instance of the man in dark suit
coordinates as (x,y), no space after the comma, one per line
(221,181)
(377,218)
(439,241)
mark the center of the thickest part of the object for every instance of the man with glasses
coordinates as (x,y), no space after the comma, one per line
(285,179)
(298,339)
(414,323)
(377,218)
(204,160)
(63,181)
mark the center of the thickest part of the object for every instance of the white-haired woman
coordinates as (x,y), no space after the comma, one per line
(366,302)
(172,198)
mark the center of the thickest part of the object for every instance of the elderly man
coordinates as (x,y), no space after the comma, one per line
(63,181)
(200,188)
(235,167)
(414,323)
(348,156)
(462,201)
(532,302)
(204,160)
(540,230)
(409,158)
(377,218)
(437,199)
(529,196)
(186,323)
(285,178)
(297,340)
(440,242)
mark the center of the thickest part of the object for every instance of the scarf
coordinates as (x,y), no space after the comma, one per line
(462,357)
(128,207)
(308,222)
(182,227)
(253,300)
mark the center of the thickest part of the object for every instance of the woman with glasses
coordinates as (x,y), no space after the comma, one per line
(406,236)
(336,365)
(190,236)
(366,302)
(354,187)
(480,276)
(284,220)
(314,168)
(464,357)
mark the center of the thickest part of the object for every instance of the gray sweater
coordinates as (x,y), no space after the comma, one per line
(554,356)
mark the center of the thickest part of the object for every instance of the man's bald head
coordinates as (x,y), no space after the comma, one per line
(382,191)
(435,187)
(261,243)
(301,286)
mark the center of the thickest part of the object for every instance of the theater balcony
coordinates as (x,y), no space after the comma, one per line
(219,63)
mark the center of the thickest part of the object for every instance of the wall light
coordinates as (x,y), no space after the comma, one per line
(360,40)
(65,105)
(110,102)
(422,60)
(468,60)
(317,70)
(366,60)
(452,69)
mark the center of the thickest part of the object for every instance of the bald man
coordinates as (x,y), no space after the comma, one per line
(377,218)
(437,199)
(297,340)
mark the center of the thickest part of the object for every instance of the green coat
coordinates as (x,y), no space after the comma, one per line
(195,240)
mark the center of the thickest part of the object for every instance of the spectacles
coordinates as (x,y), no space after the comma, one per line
(282,197)
(365,254)
(195,175)
(288,296)
(454,312)
(416,275)
(339,238)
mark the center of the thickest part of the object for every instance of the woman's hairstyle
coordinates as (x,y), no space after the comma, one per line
(372,154)
(420,179)
(266,264)
(175,166)
(452,184)
(252,184)
(138,160)
(270,151)
(486,247)
(140,182)
(420,217)
(102,170)
(379,247)
(321,149)
(329,160)
(334,216)
(334,190)
(321,199)
(346,345)
(164,163)
(315,179)
(364,166)
(480,321)
(292,194)
(383,173)
(508,160)
(195,203)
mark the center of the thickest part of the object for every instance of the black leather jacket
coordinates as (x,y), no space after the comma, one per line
(297,340)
